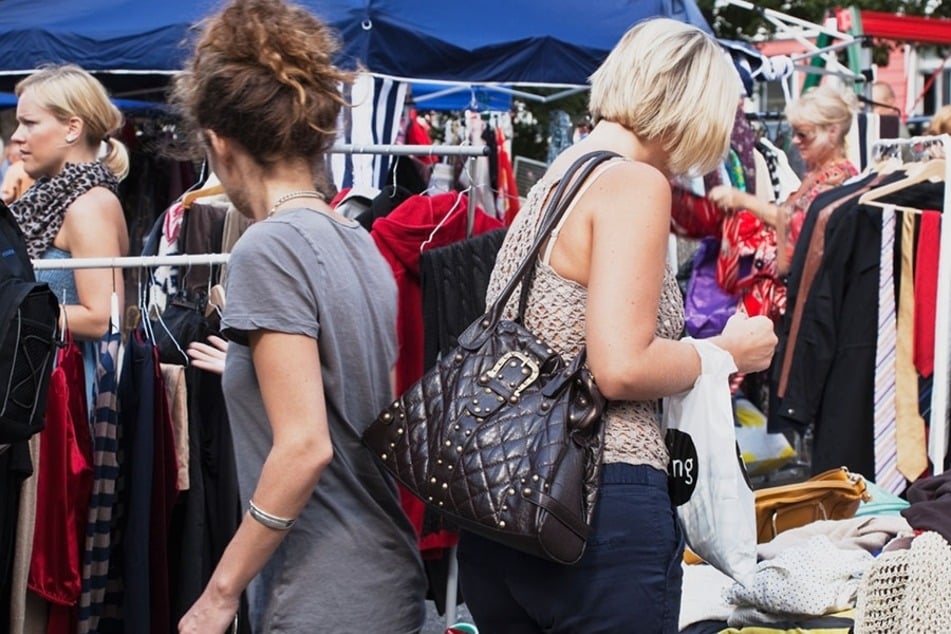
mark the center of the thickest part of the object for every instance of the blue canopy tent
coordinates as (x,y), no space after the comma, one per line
(134,47)
(540,42)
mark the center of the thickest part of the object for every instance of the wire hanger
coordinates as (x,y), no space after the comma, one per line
(459,197)
(394,189)
(148,327)
(452,210)
(114,306)
(64,334)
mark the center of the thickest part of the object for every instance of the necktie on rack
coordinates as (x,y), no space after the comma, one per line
(909,426)
(926,291)
(887,475)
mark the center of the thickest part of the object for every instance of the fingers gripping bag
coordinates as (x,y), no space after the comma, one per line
(707,480)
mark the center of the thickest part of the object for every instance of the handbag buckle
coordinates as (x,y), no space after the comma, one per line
(504,383)
(513,366)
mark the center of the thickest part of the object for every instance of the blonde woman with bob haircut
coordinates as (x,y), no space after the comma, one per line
(65,133)
(664,100)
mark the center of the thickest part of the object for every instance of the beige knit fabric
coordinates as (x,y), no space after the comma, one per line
(556,312)
(906,591)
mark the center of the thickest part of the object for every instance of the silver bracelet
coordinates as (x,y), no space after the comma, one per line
(271,521)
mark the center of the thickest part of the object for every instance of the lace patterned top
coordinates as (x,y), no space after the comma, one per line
(556,312)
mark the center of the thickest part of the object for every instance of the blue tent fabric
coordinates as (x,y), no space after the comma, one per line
(429,96)
(532,41)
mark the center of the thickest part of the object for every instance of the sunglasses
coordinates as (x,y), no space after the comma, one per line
(803,136)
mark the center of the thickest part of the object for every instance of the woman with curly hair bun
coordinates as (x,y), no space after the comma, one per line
(311,321)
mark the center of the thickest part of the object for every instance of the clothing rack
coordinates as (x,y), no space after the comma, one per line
(922,149)
(396,149)
(132,262)
(472,152)
(411,150)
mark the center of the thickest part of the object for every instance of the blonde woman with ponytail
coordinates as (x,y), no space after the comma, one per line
(66,134)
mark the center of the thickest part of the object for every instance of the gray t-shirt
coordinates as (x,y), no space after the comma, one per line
(351,563)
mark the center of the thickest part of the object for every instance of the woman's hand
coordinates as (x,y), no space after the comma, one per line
(209,357)
(751,341)
(724,197)
(209,615)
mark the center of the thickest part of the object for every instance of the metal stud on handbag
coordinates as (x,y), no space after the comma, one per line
(503,435)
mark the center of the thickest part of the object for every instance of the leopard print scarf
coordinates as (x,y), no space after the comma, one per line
(41,209)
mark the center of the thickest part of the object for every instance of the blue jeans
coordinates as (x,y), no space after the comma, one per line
(628,581)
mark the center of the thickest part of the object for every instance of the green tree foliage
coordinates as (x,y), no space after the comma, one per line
(530,138)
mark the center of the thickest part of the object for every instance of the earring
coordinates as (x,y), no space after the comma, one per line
(70,139)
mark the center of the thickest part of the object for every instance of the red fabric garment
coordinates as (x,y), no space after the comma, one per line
(747,264)
(745,236)
(753,254)
(416,134)
(926,291)
(506,187)
(693,216)
(401,236)
(64,484)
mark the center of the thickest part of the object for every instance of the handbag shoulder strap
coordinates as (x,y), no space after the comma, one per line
(561,198)
(571,182)
(556,230)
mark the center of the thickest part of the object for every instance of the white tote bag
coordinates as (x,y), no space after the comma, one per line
(708,481)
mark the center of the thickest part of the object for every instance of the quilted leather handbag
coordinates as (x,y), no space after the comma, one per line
(831,495)
(503,435)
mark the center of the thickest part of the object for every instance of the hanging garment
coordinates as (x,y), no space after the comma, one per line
(131,565)
(97,547)
(807,259)
(453,279)
(16,528)
(64,485)
(420,223)
(926,291)
(830,380)
(176,392)
(163,496)
(887,474)
(205,517)
(509,203)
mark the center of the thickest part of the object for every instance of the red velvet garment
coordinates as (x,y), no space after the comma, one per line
(64,485)
(401,236)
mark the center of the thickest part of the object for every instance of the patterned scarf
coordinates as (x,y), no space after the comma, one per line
(41,209)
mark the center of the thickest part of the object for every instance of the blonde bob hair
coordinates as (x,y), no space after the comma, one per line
(824,107)
(670,82)
(69,91)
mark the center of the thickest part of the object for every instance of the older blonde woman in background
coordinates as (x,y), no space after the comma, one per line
(820,120)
